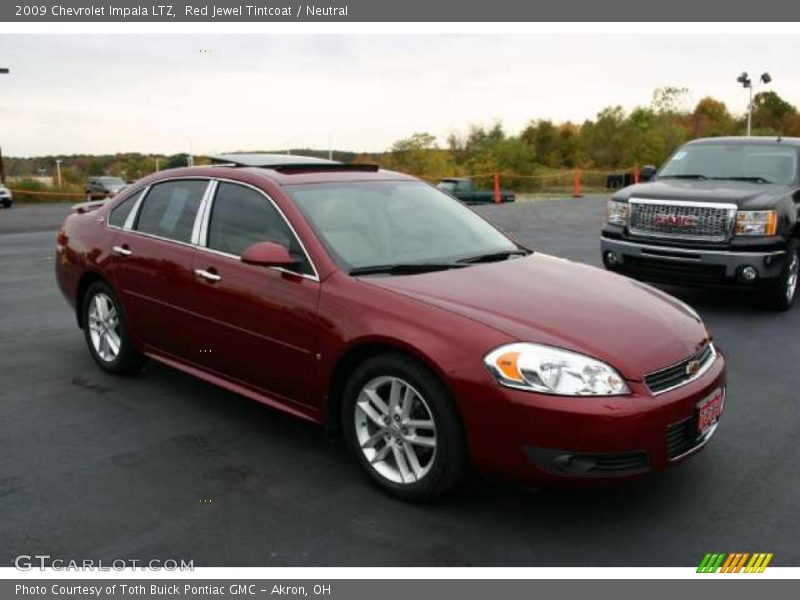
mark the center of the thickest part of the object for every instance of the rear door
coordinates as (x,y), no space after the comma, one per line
(153,265)
(258,324)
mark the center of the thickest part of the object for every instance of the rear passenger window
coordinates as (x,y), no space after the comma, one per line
(170,208)
(119,214)
(241,217)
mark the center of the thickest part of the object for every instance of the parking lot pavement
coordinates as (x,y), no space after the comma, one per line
(165,466)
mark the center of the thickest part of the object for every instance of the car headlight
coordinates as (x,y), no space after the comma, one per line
(756,222)
(551,370)
(617,212)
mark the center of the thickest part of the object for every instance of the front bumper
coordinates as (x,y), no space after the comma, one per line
(690,266)
(567,439)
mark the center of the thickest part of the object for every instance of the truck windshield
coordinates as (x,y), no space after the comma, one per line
(757,163)
(370,223)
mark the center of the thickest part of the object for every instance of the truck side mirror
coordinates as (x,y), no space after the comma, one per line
(647,173)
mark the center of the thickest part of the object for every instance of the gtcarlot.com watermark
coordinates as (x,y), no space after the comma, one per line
(29,562)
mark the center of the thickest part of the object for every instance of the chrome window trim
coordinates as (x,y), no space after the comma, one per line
(203,238)
(133,208)
(134,214)
(158,237)
(198,232)
(731,208)
(202,219)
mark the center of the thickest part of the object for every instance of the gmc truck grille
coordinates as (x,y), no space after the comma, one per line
(709,222)
(682,373)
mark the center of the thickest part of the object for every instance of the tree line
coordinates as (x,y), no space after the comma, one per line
(616,138)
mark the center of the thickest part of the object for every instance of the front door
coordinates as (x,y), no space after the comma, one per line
(258,324)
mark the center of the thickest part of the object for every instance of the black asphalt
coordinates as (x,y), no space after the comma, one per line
(165,466)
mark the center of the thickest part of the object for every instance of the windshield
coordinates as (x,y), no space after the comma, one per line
(364,224)
(448,186)
(760,163)
(112,181)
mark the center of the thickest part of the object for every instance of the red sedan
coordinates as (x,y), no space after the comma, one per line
(379,306)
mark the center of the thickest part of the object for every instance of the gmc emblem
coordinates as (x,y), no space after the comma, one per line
(674,220)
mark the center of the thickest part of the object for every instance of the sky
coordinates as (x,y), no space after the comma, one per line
(200,93)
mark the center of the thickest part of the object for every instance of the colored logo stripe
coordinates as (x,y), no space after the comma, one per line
(734,563)
(710,563)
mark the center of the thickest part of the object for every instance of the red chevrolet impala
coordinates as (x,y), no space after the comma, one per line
(379,306)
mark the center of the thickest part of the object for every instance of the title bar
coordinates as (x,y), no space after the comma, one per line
(399,11)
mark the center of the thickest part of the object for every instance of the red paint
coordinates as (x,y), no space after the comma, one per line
(278,338)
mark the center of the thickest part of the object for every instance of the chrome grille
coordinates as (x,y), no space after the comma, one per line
(682,373)
(709,222)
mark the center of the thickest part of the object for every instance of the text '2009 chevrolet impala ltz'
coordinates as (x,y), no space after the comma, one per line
(373,303)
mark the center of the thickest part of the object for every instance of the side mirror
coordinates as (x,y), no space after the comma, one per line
(268,254)
(647,173)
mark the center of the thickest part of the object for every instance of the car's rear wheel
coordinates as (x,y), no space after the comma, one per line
(403,429)
(106,332)
(781,295)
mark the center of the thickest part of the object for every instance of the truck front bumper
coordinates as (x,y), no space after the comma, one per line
(691,266)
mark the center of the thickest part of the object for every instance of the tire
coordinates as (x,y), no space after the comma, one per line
(436,441)
(781,294)
(104,328)
(7,203)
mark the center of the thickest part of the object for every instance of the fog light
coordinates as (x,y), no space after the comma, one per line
(748,274)
(611,259)
(574,464)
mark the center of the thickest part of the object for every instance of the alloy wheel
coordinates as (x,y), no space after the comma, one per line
(396,430)
(104,327)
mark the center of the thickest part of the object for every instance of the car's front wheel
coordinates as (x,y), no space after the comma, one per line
(106,332)
(403,429)
(781,294)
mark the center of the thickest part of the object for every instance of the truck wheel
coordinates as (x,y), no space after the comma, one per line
(781,295)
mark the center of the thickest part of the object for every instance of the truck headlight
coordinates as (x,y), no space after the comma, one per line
(551,370)
(617,212)
(756,222)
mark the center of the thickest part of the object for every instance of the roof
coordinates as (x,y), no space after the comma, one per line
(752,140)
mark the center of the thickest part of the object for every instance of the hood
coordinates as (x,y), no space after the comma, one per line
(632,326)
(748,196)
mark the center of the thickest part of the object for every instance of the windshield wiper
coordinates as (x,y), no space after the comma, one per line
(405,268)
(756,179)
(494,256)
(691,176)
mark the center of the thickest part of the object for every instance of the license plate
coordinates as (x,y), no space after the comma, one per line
(709,409)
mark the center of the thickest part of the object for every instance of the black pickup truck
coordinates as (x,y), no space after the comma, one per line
(719,212)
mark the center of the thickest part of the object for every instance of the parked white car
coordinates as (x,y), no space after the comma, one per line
(6,197)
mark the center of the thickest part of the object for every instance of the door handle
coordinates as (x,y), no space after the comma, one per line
(123,250)
(207,275)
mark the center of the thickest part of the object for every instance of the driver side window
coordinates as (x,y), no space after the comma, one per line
(241,217)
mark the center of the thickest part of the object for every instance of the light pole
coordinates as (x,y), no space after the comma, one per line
(746,82)
(3,71)
(58,171)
